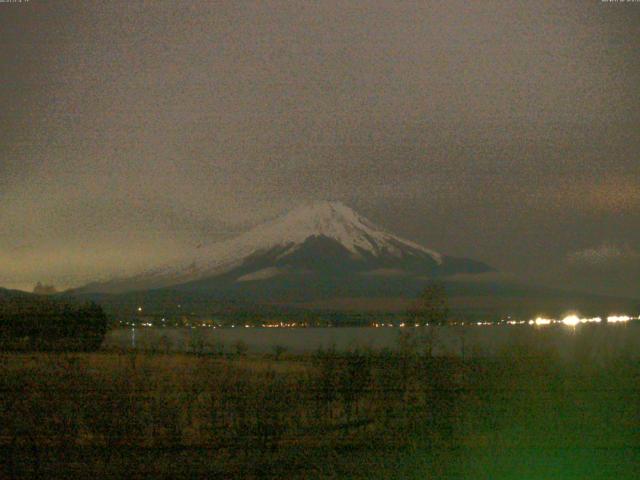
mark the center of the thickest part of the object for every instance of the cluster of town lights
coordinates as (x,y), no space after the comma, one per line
(573,320)
(569,320)
(283,325)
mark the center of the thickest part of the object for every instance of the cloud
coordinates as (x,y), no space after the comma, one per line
(488,277)
(162,128)
(604,256)
(609,268)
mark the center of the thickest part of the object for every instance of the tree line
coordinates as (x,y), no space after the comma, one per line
(38,323)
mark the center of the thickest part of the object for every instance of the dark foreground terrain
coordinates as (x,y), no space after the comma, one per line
(525,413)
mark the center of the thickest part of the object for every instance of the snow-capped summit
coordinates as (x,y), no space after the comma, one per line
(332,220)
(321,237)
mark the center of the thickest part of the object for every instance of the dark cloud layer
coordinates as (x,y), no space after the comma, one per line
(505,131)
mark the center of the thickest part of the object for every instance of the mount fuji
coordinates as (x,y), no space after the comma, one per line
(319,249)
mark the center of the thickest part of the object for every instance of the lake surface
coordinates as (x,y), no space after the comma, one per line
(571,342)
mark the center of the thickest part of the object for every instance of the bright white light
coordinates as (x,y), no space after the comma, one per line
(542,321)
(618,318)
(571,320)
(139,309)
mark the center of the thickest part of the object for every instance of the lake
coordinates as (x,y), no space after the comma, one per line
(571,342)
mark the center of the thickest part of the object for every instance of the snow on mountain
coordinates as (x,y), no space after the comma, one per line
(331,220)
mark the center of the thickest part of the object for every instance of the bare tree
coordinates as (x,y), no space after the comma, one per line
(431,307)
(241,348)
(278,351)
(430,310)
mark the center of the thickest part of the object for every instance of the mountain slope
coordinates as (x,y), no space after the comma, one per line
(325,256)
(311,245)
(7,294)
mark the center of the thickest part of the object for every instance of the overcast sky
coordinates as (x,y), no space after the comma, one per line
(504,131)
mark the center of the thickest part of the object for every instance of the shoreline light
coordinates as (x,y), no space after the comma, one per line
(571,320)
(592,320)
(542,321)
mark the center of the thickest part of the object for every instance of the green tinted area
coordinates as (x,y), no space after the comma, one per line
(523,414)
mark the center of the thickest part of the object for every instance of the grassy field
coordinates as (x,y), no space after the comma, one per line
(524,413)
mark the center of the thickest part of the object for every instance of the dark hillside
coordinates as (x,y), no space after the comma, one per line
(33,322)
